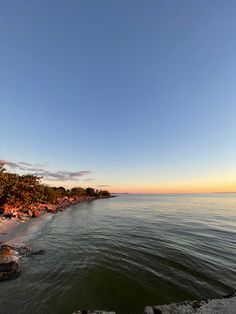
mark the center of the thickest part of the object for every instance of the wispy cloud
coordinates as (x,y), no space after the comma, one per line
(42,171)
(24,166)
(10,164)
(103,185)
(23,163)
(62,175)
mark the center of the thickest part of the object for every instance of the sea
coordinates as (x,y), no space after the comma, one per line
(125,253)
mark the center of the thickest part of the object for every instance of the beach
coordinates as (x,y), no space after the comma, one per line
(8,227)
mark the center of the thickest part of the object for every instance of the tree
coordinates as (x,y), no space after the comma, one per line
(104,193)
(8,182)
(77,191)
(23,190)
(90,191)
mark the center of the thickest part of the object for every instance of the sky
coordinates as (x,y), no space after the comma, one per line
(131,95)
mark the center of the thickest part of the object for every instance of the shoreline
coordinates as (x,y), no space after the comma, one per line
(20,216)
(12,244)
(7,226)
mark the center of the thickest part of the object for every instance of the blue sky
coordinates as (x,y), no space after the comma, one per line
(139,93)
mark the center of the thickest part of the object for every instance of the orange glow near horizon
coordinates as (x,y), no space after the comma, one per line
(227,189)
(186,187)
(205,185)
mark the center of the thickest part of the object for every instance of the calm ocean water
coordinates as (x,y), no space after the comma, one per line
(125,253)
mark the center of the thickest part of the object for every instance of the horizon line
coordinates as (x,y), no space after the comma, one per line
(223,192)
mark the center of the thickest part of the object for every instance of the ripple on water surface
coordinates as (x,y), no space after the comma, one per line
(127,252)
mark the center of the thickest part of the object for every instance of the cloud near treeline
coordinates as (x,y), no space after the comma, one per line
(42,171)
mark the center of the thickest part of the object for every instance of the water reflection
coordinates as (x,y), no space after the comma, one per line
(127,252)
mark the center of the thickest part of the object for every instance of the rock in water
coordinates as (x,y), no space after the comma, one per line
(9,270)
(9,259)
(39,252)
(6,250)
(21,248)
(9,265)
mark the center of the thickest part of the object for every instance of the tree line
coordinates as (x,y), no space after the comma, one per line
(22,190)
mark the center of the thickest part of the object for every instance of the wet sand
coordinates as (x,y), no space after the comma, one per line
(15,230)
(8,227)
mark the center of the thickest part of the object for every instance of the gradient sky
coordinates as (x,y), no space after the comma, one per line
(141,94)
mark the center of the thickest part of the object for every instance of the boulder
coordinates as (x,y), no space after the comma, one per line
(9,270)
(35,214)
(9,259)
(6,250)
(9,262)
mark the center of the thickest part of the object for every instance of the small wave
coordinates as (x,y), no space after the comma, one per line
(33,229)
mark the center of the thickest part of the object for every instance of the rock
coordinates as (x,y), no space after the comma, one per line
(51,208)
(39,252)
(21,248)
(42,207)
(226,305)
(9,211)
(9,259)
(26,211)
(35,214)
(30,213)
(6,250)
(92,312)
(9,270)
(9,266)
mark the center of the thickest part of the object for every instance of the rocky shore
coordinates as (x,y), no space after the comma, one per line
(11,215)
(35,210)
(11,253)
(225,305)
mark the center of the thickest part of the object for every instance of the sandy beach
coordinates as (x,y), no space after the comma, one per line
(11,229)
(8,227)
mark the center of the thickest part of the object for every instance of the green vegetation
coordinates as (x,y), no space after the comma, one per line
(24,190)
